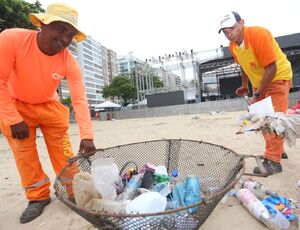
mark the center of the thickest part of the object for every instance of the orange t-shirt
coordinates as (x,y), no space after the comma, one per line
(260,49)
(28,75)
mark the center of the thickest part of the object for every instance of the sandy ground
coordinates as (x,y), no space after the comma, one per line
(218,129)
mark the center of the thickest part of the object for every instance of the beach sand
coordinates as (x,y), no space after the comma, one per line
(218,129)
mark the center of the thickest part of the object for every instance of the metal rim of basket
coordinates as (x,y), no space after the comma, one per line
(205,200)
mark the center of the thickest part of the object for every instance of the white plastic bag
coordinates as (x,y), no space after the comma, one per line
(105,175)
(147,202)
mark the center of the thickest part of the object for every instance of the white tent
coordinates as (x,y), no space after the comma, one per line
(108,104)
(143,102)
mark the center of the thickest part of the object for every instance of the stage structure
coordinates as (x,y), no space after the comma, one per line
(215,76)
(184,64)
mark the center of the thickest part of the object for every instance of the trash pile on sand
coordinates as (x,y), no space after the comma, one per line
(275,211)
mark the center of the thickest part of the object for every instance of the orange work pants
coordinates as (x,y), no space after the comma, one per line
(53,120)
(279,92)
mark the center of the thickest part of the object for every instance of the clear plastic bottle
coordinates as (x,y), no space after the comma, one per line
(177,190)
(253,204)
(132,187)
(175,177)
(277,221)
(259,190)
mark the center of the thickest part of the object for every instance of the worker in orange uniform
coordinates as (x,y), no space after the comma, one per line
(32,64)
(264,64)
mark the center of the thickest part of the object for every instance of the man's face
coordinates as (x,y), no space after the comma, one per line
(235,33)
(56,36)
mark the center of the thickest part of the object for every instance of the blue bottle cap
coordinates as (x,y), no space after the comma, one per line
(174,173)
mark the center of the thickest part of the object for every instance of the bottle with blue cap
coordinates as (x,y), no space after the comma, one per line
(175,177)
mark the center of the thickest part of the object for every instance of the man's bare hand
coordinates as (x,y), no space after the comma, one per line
(241,91)
(253,100)
(86,146)
(20,130)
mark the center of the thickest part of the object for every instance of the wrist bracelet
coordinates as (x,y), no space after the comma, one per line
(256,95)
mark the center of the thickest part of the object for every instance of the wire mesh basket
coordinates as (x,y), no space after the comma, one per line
(217,167)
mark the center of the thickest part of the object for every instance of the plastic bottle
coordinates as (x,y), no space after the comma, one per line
(175,177)
(132,187)
(192,191)
(277,221)
(161,175)
(253,204)
(259,190)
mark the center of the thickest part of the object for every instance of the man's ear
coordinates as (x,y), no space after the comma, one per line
(242,22)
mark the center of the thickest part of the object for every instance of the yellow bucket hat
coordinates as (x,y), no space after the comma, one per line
(58,12)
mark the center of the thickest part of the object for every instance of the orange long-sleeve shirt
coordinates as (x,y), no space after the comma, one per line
(28,75)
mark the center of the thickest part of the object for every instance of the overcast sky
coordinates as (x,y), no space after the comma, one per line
(152,28)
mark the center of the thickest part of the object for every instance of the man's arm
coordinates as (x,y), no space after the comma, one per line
(8,112)
(243,90)
(80,105)
(245,79)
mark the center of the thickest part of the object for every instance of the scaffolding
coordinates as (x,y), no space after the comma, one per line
(227,68)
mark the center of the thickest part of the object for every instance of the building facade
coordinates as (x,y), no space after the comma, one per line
(143,75)
(105,66)
(94,61)
(90,60)
(112,65)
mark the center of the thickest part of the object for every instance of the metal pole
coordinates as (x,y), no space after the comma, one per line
(136,82)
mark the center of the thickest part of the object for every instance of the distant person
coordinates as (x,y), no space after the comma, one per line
(97,115)
(270,74)
(32,64)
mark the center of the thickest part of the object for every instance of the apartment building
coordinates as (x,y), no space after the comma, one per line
(105,62)
(89,56)
(90,60)
(112,65)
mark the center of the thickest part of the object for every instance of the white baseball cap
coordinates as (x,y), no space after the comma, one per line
(229,20)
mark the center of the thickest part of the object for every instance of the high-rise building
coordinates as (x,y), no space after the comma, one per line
(105,65)
(89,56)
(90,60)
(112,64)
(110,69)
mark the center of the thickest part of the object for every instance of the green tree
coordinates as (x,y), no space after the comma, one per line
(120,87)
(67,102)
(14,13)
(158,83)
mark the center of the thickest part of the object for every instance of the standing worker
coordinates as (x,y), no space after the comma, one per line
(32,64)
(270,74)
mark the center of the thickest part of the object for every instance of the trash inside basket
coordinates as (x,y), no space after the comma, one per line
(217,167)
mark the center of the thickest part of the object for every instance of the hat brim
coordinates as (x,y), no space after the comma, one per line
(37,18)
